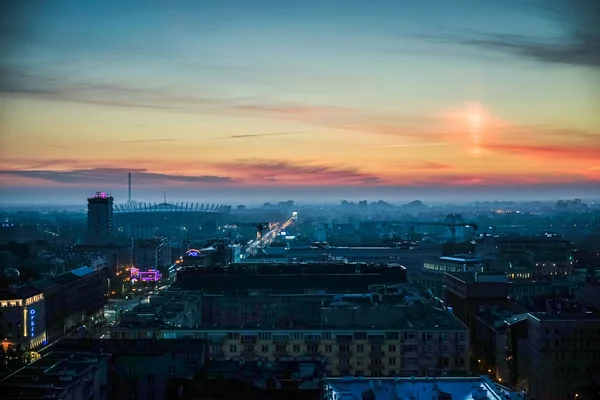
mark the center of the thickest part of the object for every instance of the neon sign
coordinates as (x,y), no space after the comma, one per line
(192,253)
(151,275)
(32,322)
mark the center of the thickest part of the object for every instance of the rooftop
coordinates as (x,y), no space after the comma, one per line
(565,317)
(51,375)
(480,388)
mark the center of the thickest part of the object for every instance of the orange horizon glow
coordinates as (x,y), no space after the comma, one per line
(439,151)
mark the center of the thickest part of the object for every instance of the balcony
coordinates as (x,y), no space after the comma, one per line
(344,339)
(311,340)
(376,339)
(376,354)
(313,353)
(217,339)
(249,339)
(376,367)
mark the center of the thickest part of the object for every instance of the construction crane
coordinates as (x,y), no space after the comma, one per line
(451,223)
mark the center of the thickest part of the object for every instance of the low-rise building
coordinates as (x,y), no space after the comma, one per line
(60,375)
(143,368)
(477,388)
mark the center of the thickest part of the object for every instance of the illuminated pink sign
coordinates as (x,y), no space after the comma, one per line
(150,276)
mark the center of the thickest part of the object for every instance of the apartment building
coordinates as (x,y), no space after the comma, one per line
(564,354)
(428,341)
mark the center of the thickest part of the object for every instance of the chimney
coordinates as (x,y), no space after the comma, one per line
(130,187)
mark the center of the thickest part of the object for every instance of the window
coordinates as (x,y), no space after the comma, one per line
(360,348)
(392,348)
(264,348)
(392,361)
(328,348)
(296,348)
(233,348)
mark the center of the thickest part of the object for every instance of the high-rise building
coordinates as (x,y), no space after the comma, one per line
(100,216)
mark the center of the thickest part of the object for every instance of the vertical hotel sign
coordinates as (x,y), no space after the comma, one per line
(32,322)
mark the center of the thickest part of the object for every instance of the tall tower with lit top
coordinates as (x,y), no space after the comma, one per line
(100,216)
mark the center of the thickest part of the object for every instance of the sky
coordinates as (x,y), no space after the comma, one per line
(237,100)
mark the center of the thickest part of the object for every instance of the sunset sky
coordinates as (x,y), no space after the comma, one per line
(251,98)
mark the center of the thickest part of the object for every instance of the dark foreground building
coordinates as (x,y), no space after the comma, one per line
(285,277)
(37,313)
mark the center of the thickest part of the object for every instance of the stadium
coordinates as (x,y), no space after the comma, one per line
(149,220)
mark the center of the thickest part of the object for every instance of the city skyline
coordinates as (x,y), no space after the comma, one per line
(360,99)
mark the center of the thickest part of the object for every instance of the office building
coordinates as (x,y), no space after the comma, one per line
(100,217)
(564,354)
(412,258)
(290,277)
(39,312)
(432,273)
(467,292)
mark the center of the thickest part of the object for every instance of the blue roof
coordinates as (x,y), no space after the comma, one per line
(83,271)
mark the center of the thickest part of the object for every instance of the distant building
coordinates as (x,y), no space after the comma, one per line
(432,273)
(412,258)
(100,217)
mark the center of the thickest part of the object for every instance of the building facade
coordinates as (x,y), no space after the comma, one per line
(564,354)
(100,217)
(431,344)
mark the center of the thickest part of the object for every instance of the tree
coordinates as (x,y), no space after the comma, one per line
(12,358)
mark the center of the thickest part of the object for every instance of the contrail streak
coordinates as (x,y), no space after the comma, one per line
(390,146)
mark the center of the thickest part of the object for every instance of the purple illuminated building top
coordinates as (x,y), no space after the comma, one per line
(100,195)
(152,275)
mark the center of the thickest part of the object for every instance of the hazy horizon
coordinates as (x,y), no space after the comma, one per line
(302,196)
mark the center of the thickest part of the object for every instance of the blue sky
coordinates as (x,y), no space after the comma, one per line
(99,88)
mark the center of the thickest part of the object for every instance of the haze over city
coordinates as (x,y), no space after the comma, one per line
(315,100)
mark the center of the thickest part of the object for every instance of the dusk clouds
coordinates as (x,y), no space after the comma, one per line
(299,94)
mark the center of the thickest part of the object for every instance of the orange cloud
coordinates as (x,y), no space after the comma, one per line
(549,150)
